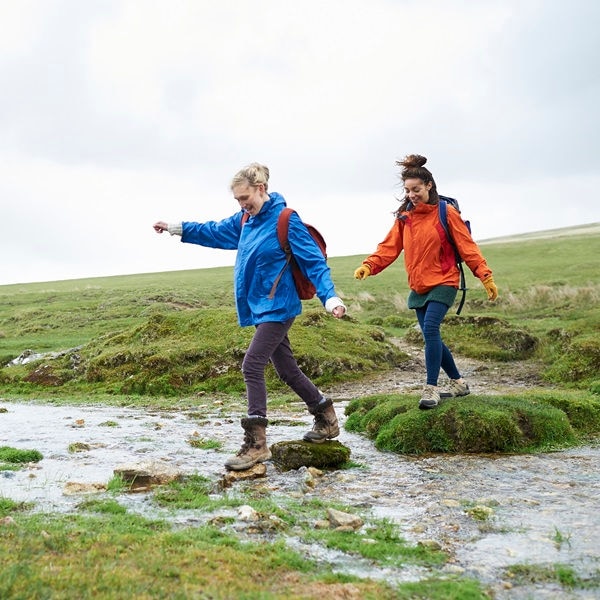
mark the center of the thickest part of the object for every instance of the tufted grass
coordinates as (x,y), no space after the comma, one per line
(525,422)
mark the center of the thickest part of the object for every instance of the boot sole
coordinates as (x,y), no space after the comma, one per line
(247,466)
(451,395)
(315,441)
(424,406)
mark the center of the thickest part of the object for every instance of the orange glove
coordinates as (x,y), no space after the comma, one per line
(490,287)
(362,272)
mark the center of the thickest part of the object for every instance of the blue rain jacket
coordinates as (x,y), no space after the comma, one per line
(260,259)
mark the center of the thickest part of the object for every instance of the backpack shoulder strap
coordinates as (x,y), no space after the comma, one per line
(443,214)
(283,225)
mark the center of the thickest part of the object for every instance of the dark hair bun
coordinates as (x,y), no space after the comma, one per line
(411,161)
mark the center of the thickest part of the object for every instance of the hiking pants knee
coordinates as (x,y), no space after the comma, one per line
(437,354)
(271,342)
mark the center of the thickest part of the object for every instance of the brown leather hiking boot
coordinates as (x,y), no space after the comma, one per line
(254,449)
(325,425)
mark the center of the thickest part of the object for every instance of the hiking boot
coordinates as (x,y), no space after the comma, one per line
(430,397)
(254,449)
(325,425)
(458,388)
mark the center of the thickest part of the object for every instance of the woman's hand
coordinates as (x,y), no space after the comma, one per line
(362,272)
(336,307)
(338,312)
(490,288)
(160,226)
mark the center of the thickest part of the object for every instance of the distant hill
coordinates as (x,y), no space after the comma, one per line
(589,229)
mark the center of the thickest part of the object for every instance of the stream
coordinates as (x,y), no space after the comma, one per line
(541,509)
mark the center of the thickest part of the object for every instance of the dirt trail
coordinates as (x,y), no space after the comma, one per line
(484,377)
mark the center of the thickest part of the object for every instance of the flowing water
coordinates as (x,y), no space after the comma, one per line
(539,509)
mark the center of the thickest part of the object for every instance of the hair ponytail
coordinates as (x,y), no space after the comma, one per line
(413,167)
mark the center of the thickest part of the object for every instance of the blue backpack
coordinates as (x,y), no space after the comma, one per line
(443,214)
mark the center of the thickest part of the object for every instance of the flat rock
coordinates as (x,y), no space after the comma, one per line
(295,454)
(147,474)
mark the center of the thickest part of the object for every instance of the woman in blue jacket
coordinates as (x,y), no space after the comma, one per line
(260,260)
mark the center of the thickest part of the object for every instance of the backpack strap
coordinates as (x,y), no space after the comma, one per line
(443,214)
(283,224)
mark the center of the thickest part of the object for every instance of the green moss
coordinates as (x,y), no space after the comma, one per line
(16,455)
(535,422)
(575,360)
(486,337)
(296,454)
(202,350)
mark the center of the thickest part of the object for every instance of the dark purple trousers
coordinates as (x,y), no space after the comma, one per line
(271,343)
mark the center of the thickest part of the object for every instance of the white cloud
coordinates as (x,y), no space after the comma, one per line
(120,112)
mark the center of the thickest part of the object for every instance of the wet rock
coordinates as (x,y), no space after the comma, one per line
(3,410)
(79,447)
(147,474)
(295,454)
(430,544)
(247,513)
(255,472)
(73,488)
(342,521)
(480,512)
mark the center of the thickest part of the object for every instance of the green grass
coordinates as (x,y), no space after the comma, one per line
(565,575)
(168,340)
(524,422)
(17,456)
(112,554)
(175,334)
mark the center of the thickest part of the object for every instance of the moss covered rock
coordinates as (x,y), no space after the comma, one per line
(520,423)
(296,454)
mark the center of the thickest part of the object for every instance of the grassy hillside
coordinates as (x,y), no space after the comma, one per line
(175,333)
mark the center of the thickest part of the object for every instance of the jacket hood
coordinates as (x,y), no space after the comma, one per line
(274,201)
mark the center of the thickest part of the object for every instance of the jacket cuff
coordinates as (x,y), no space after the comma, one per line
(332,303)
(175,228)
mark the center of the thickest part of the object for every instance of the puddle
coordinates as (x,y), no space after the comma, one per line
(543,507)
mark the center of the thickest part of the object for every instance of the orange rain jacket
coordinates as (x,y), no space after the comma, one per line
(428,255)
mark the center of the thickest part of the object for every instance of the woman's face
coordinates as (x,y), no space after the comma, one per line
(251,198)
(417,190)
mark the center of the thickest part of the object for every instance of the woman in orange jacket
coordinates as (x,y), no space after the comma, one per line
(433,276)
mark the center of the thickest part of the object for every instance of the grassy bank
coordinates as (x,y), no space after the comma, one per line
(168,339)
(175,334)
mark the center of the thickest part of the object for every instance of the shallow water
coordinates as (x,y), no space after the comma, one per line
(543,507)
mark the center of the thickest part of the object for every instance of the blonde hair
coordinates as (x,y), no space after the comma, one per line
(254,174)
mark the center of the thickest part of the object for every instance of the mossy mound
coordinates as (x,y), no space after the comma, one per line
(296,454)
(485,337)
(575,359)
(523,423)
(186,352)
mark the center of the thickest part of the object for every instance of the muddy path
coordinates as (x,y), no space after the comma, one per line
(536,509)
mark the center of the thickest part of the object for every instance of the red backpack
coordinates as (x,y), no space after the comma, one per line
(306,290)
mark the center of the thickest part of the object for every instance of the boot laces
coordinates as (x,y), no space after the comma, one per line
(320,421)
(248,443)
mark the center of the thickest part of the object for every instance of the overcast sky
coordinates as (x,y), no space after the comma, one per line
(118,113)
